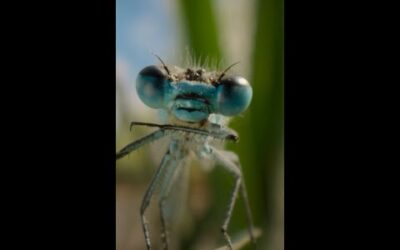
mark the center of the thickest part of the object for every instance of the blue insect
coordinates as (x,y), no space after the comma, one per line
(198,104)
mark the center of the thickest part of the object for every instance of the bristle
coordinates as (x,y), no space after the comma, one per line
(206,63)
(216,64)
(189,60)
(197,61)
(211,64)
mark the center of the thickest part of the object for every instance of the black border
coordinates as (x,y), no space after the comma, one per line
(61,182)
(327,141)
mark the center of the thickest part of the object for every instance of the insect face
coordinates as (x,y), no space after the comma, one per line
(192,95)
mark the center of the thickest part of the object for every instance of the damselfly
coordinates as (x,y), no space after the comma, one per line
(199,104)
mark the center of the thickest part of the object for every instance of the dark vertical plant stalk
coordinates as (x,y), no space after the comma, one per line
(200,28)
(267,118)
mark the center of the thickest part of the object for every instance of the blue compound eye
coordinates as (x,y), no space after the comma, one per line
(233,95)
(150,86)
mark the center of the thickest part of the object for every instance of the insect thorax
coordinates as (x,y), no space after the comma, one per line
(196,142)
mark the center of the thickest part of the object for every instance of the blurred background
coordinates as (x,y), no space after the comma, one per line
(249,31)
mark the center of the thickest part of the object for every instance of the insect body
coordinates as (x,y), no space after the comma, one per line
(198,104)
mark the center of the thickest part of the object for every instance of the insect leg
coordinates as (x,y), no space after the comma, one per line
(139,143)
(164,231)
(149,193)
(214,130)
(235,159)
(173,198)
(230,162)
(242,239)
(165,190)
(243,192)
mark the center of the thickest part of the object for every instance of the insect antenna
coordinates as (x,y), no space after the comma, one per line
(162,62)
(223,73)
